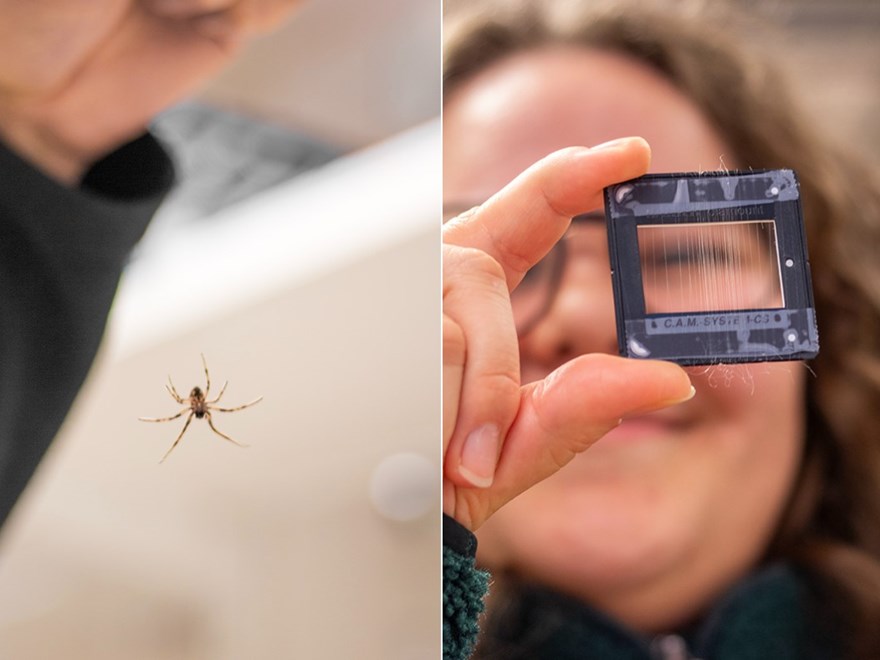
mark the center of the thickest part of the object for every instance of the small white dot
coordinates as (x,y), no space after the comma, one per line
(774,190)
(789,262)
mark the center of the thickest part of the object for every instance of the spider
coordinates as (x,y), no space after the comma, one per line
(199,405)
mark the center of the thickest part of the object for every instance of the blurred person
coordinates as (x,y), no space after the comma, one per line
(80,178)
(743,522)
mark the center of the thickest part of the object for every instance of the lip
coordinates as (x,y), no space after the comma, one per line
(646,428)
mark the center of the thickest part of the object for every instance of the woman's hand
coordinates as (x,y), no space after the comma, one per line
(79,77)
(500,437)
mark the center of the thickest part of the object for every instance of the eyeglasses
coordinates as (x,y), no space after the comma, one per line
(686,267)
(534,296)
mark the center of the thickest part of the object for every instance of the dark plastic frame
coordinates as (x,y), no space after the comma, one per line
(700,337)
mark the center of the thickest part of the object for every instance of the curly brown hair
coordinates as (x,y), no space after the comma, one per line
(831,525)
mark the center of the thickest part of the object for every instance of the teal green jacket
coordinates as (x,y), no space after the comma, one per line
(772,614)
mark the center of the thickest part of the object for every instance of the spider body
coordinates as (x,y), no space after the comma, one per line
(197,402)
(199,406)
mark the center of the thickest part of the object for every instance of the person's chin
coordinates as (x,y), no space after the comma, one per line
(602,565)
(603,538)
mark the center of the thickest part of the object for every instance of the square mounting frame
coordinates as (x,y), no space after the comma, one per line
(784,330)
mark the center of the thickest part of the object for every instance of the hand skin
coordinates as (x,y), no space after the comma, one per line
(499,437)
(80,77)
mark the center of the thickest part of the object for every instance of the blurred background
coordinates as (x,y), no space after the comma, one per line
(831,51)
(299,253)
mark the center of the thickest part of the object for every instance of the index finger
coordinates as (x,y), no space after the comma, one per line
(519,224)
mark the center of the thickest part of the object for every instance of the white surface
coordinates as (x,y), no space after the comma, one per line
(296,231)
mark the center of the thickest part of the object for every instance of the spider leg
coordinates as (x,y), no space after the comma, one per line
(242,407)
(173,392)
(222,390)
(207,376)
(163,419)
(222,435)
(182,431)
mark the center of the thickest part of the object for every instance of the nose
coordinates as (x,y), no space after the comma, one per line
(581,317)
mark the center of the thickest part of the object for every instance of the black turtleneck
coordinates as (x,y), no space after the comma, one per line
(61,254)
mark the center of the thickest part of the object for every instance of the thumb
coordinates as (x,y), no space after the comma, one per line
(577,404)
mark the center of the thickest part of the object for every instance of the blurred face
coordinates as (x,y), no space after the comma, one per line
(666,511)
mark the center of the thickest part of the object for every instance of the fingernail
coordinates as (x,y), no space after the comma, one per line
(688,397)
(479,456)
(611,144)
